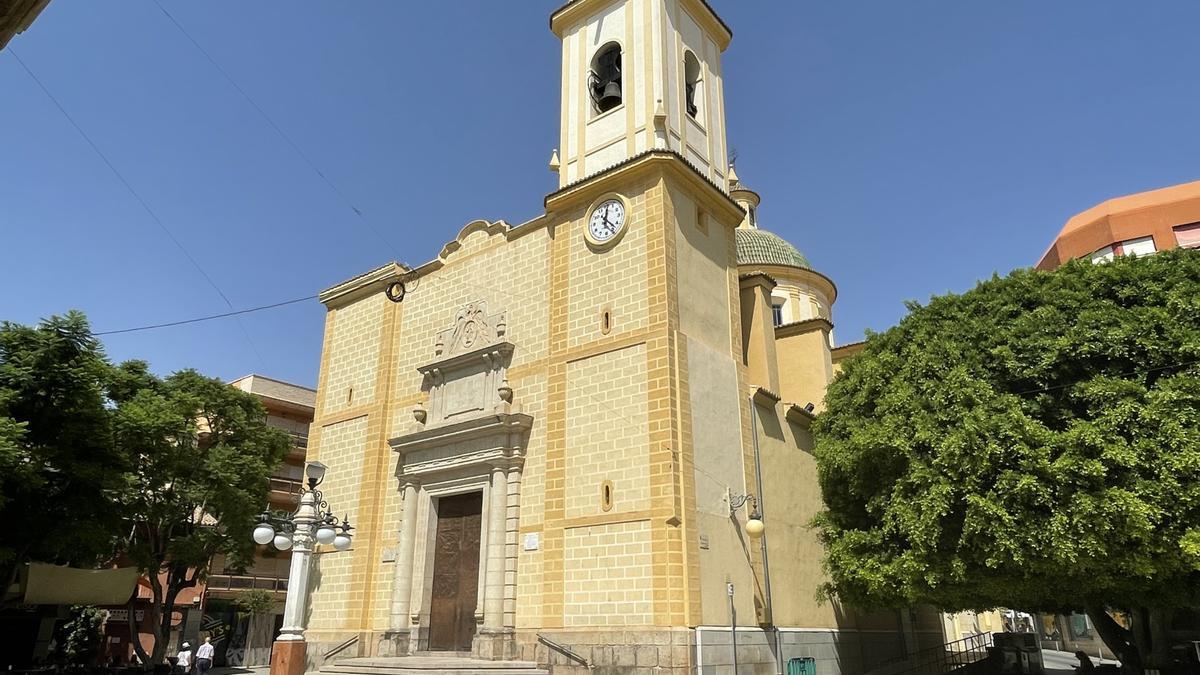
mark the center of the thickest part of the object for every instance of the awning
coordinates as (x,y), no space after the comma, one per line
(55,585)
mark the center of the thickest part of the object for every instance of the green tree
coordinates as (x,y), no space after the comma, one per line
(1031,443)
(81,635)
(255,602)
(57,457)
(202,453)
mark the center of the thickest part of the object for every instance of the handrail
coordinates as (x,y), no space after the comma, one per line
(238,582)
(340,647)
(564,651)
(945,657)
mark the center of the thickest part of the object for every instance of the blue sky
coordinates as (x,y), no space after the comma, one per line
(908,149)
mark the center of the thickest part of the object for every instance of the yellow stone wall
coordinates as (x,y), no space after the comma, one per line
(606,433)
(609,576)
(336,601)
(805,364)
(353,356)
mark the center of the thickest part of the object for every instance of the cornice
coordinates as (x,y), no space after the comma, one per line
(499,424)
(798,415)
(843,351)
(804,275)
(644,162)
(363,284)
(802,327)
(576,11)
(759,278)
(766,397)
(502,347)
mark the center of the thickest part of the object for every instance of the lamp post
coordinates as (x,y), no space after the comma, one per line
(310,524)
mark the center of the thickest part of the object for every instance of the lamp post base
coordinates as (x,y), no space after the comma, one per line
(287,657)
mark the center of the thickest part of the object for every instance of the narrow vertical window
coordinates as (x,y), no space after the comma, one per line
(604,80)
(692,94)
(777,313)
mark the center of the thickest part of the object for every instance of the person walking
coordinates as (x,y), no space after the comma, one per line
(183,660)
(204,657)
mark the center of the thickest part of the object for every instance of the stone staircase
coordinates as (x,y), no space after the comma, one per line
(428,665)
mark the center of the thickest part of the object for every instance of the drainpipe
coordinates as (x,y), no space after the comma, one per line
(762,541)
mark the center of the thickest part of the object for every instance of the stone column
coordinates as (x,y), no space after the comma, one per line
(403,573)
(493,597)
(512,545)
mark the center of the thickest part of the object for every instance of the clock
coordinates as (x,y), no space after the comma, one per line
(606,223)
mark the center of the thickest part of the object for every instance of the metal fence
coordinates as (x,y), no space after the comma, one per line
(946,658)
(241,582)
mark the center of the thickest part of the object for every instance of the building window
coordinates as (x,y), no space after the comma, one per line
(1141,246)
(1188,236)
(777,313)
(692,92)
(1103,255)
(604,80)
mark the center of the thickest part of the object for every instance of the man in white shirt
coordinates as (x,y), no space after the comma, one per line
(204,657)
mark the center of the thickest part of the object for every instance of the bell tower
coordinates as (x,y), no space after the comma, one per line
(639,75)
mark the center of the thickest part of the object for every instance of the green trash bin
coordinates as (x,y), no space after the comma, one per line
(802,666)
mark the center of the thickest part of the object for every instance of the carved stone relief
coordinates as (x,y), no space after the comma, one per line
(467,377)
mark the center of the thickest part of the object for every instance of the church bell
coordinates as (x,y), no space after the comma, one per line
(610,97)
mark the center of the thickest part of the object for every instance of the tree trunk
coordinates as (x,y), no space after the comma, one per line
(135,636)
(1120,641)
(155,621)
(1160,638)
(1145,644)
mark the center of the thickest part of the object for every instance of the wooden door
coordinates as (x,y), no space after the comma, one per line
(455,572)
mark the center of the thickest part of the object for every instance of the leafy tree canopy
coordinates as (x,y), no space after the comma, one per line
(99,461)
(57,456)
(203,453)
(1033,443)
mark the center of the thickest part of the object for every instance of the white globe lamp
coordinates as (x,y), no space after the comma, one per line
(326,534)
(283,542)
(264,533)
(341,542)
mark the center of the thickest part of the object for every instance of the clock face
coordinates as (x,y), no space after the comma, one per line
(607,221)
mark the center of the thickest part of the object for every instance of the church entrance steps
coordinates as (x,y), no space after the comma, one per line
(428,665)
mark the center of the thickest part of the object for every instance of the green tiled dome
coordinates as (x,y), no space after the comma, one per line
(759,247)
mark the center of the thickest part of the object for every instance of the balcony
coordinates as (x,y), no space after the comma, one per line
(285,491)
(299,445)
(227,583)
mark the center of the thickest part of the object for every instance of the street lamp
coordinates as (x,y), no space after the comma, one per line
(310,524)
(281,529)
(754,523)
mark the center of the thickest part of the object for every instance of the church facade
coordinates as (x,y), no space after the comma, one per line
(560,429)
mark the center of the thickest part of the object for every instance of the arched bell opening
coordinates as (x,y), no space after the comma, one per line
(604,78)
(692,94)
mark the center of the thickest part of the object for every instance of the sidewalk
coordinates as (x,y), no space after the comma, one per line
(1064,663)
(241,670)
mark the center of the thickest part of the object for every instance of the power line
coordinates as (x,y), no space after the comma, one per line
(128,186)
(287,139)
(206,318)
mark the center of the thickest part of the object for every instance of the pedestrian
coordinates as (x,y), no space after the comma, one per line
(183,660)
(204,657)
(1085,663)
